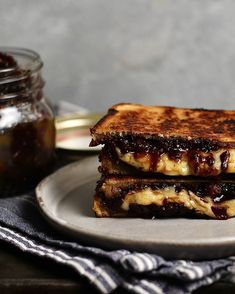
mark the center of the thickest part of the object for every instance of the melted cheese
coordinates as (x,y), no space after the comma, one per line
(187,199)
(171,167)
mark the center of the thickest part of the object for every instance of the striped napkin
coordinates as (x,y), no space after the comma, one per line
(22,225)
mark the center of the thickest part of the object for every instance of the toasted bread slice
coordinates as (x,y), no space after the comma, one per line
(166,122)
(133,196)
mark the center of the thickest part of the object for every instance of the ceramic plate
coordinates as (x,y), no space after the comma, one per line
(73,132)
(65,198)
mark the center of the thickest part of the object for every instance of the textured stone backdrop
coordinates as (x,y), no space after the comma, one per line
(99,52)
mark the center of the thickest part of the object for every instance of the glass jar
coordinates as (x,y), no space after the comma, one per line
(27,129)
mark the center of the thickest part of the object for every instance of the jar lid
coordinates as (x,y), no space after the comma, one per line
(73,132)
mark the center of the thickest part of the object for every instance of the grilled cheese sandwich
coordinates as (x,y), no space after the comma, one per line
(165,162)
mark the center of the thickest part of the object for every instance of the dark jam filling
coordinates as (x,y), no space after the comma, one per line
(167,210)
(171,145)
(224,157)
(198,152)
(218,192)
(220,212)
(203,164)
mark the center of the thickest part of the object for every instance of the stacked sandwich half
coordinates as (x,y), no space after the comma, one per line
(165,162)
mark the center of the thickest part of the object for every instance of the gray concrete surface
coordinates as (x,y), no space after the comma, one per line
(100,52)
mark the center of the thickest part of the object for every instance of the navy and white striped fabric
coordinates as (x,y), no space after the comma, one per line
(22,225)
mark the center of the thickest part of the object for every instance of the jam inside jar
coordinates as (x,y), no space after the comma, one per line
(27,128)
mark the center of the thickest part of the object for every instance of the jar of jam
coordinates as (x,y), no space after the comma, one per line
(27,129)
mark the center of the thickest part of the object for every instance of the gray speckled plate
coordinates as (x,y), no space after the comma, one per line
(65,198)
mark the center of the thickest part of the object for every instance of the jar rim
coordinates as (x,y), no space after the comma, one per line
(33,63)
(29,62)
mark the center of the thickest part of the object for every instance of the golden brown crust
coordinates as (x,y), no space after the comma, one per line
(166,122)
